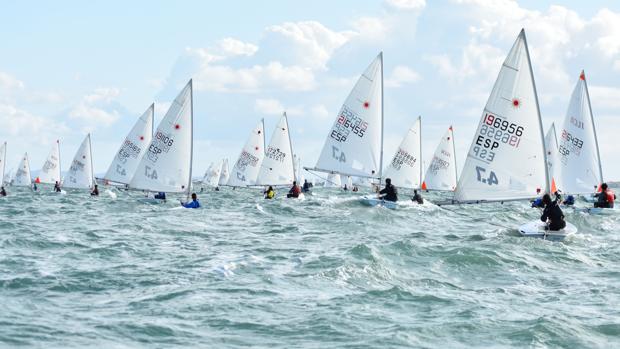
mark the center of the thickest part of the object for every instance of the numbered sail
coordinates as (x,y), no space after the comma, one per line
(2,163)
(212,176)
(245,171)
(50,172)
(277,167)
(80,175)
(355,141)
(551,146)
(167,164)
(441,173)
(133,148)
(225,173)
(506,160)
(579,164)
(405,169)
(22,174)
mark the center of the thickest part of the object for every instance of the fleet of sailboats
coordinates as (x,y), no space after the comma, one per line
(510,157)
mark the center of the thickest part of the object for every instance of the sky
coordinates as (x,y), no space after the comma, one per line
(72,67)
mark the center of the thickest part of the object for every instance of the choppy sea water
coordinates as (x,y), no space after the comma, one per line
(323,272)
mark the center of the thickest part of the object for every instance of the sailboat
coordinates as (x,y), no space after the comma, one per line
(167,164)
(22,174)
(2,163)
(405,169)
(80,174)
(212,176)
(225,173)
(442,173)
(277,168)
(245,171)
(333,180)
(131,151)
(507,159)
(579,162)
(354,144)
(50,172)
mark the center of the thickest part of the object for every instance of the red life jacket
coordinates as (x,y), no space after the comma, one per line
(610,196)
(296,190)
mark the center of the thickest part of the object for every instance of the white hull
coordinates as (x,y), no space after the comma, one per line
(536,229)
(370,201)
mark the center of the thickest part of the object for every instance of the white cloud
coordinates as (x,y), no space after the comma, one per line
(607,24)
(18,122)
(603,97)
(616,65)
(319,111)
(406,4)
(102,94)
(402,75)
(268,106)
(95,108)
(234,47)
(9,82)
(371,28)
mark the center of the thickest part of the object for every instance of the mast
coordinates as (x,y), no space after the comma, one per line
(420,154)
(290,144)
(191,147)
(59,163)
(381,152)
(542,135)
(598,154)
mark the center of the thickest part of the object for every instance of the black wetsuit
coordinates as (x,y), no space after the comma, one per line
(418,198)
(3,192)
(554,214)
(391,194)
(306,187)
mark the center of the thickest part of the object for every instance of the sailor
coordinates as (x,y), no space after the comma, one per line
(95,191)
(552,214)
(417,197)
(605,199)
(569,201)
(34,186)
(294,192)
(306,187)
(355,188)
(345,188)
(269,193)
(2,191)
(160,196)
(192,204)
(389,193)
(57,187)
(217,188)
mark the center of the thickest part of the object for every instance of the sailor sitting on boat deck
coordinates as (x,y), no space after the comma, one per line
(57,187)
(294,192)
(570,201)
(2,191)
(269,193)
(306,187)
(191,204)
(552,214)
(417,197)
(95,191)
(389,193)
(34,186)
(160,196)
(605,199)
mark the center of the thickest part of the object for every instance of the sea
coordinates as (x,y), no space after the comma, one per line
(324,272)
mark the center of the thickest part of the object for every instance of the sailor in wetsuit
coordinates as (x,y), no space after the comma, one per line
(552,214)
(192,204)
(57,187)
(605,199)
(160,196)
(269,193)
(306,187)
(389,193)
(294,192)
(2,191)
(417,197)
(95,191)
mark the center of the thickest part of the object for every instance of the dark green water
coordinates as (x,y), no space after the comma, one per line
(325,272)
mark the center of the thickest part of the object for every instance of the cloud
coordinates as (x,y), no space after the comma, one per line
(96,108)
(604,97)
(319,111)
(408,5)
(402,75)
(269,106)
(9,82)
(234,47)
(19,122)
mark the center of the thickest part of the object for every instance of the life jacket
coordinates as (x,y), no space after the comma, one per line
(610,196)
(271,194)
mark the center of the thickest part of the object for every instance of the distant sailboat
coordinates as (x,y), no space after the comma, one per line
(277,167)
(2,163)
(225,173)
(167,164)
(212,176)
(245,170)
(354,144)
(579,163)
(22,174)
(405,169)
(442,173)
(133,148)
(80,174)
(50,172)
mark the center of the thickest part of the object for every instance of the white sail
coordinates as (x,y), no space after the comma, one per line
(277,167)
(50,172)
(405,169)
(506,160)
(225,173)
(2,163)
(245,171)
(442,173)
(134,146)
(579,164)
(167,164)
(212,176)
(551,146)
(354,144)
(333,181)
(80,175)
(22,174)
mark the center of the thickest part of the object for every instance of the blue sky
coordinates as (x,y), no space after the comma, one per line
(69,67)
